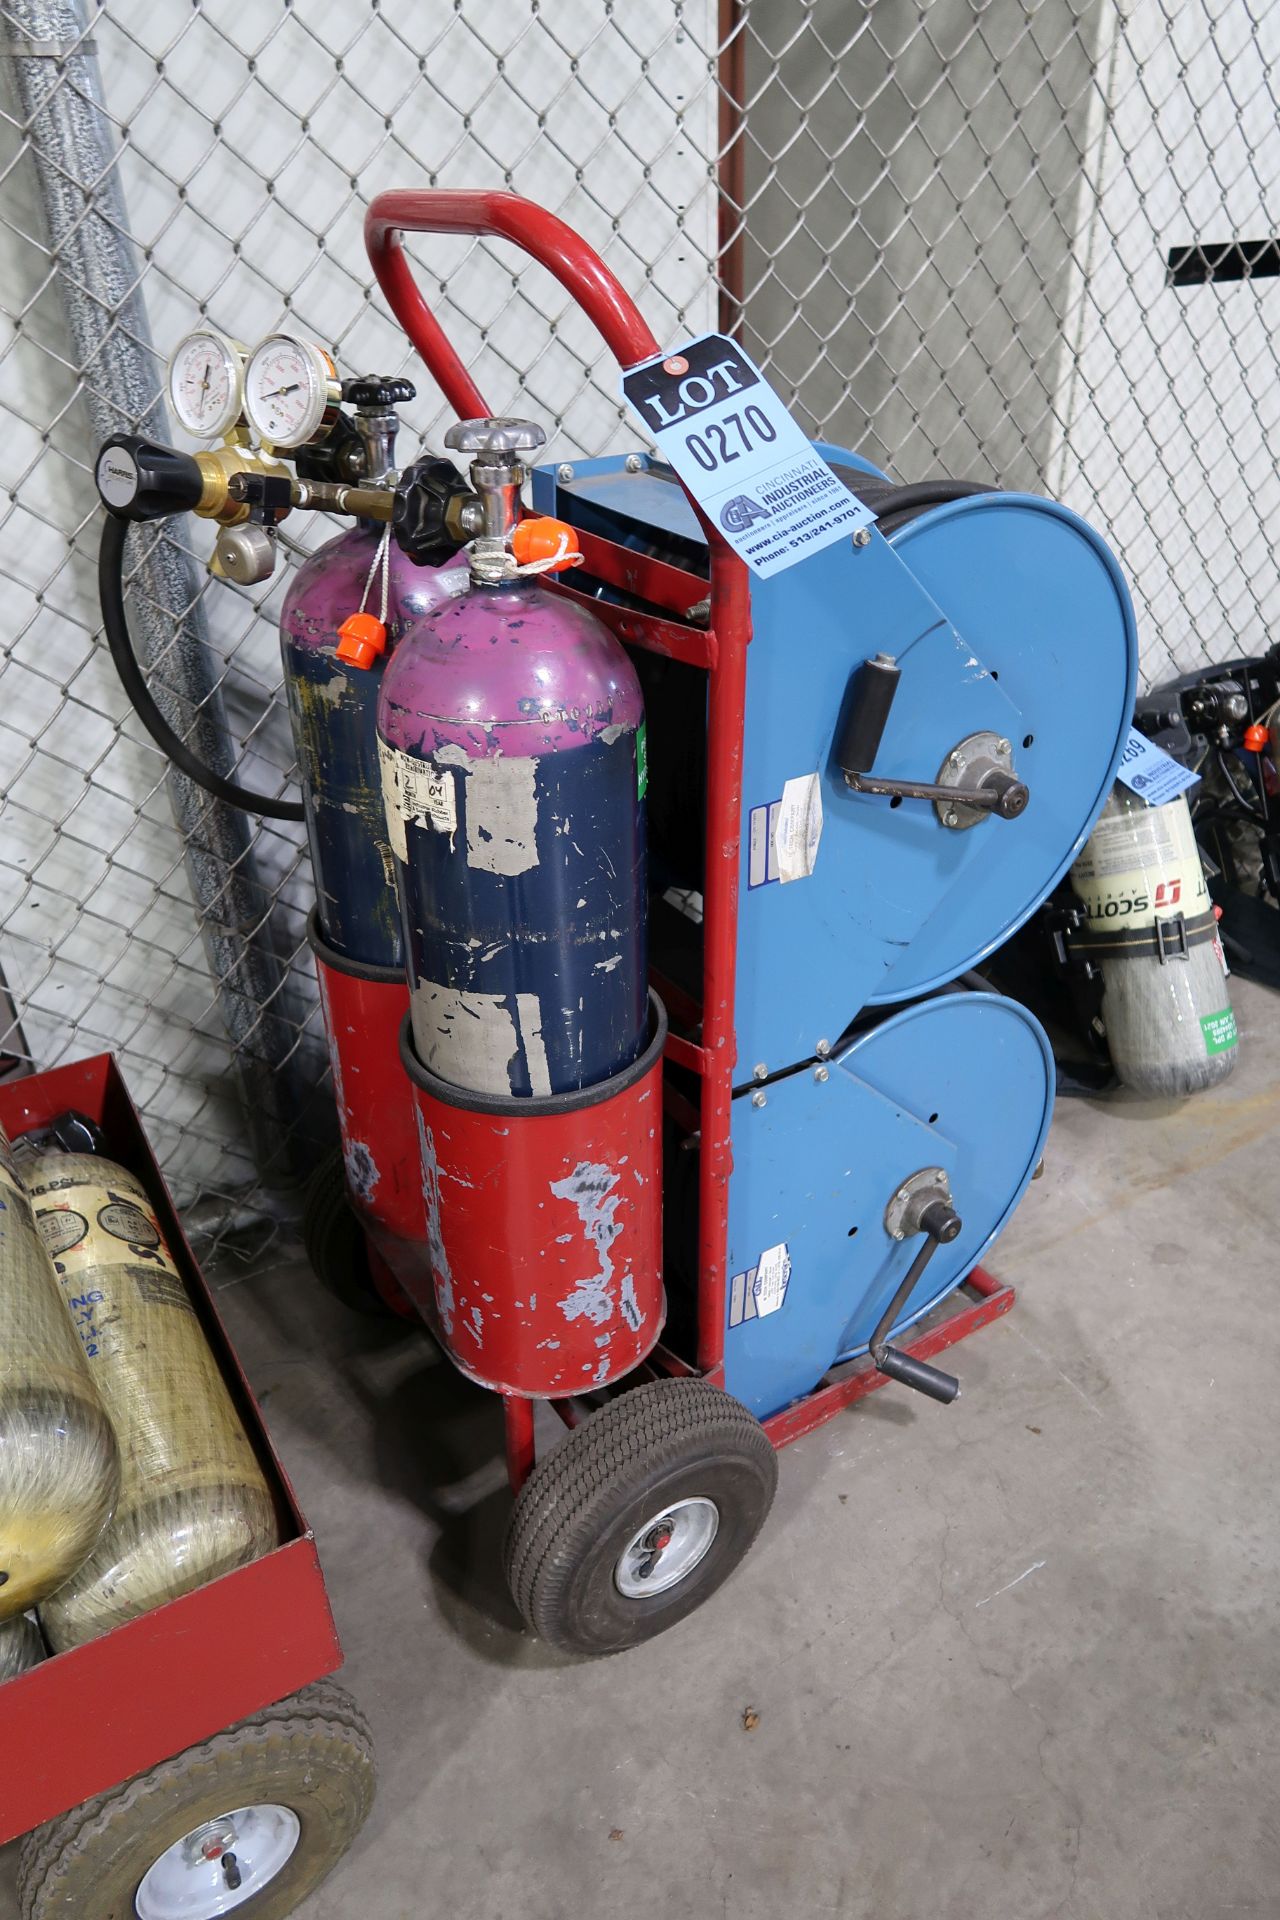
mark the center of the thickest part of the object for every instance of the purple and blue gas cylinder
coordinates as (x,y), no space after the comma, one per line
(511,738)
(333,713)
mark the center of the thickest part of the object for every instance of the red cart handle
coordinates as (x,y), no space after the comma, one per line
(578,268)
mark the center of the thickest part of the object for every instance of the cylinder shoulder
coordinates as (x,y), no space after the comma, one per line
(520,671)
(331,584)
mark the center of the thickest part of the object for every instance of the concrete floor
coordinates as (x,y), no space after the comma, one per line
(1017,1659)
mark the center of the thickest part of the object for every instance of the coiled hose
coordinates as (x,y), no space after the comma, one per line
(116,624)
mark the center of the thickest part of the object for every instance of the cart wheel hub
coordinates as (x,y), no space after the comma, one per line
(191,1879)
(667,1548)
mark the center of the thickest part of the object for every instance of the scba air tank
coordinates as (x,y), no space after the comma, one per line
(21,1647)
(193,1500)
(511,734)
(59,1463)
(1151,930)
(333,703)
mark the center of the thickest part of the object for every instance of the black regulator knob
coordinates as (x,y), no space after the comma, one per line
(347,452)
(378,390)
(139,479)
(337,457)
(425,522)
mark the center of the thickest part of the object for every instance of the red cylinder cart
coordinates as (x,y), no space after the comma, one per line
(660,1487)
(198,1753)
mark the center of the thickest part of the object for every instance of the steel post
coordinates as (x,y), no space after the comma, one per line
(58,86)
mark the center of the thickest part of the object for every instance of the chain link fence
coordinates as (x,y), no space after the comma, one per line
(946,229)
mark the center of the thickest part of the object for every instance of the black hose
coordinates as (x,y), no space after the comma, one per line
(894,505)
(907,503)
(116,623)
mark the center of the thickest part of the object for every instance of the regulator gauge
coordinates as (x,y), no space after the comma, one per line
(206,383)
(290,385)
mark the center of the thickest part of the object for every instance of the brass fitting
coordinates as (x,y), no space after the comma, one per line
(464,517)
(217,465)
(335,496)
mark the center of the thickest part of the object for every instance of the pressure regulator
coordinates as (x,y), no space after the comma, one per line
(286,390)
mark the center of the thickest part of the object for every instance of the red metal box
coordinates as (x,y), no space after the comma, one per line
(91,1718)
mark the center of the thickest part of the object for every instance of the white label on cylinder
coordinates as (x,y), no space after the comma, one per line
(1139,865)
(414,790)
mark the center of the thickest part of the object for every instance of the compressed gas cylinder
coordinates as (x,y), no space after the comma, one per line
(511,735)
(1151,929)
(193,1501)
(21,1647)
(59,1463)
(333,708)
(361,590)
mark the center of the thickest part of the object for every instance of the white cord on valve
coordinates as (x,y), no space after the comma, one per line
(381,558)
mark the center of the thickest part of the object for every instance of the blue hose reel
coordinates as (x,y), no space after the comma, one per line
(934,717)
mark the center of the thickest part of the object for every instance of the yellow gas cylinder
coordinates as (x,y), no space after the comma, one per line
(59,1464)
(21,1647)
(193,1501)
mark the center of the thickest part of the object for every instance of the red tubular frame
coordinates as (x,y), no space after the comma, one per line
(992,1300)
(721,650)
(504,216)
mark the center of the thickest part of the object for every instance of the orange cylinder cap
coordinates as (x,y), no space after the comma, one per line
(361,638)
(542,538)
(1256,737)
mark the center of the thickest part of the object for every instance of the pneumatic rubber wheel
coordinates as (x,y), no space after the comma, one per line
(638,1516)
(249,1822)
(334,1240)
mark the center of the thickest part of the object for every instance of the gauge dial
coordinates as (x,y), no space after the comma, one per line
(206,383)
(289,386)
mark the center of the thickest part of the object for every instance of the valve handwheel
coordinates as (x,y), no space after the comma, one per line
(378,390)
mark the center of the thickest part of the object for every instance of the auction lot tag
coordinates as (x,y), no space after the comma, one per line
(741,455)
(1150,772)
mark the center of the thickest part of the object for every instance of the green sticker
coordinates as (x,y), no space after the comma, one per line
(1219,1030)
(642,761)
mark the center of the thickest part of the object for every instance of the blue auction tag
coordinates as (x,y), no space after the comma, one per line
(1150,772)
(741,455)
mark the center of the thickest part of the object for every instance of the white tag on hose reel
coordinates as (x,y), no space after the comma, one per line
(741,455)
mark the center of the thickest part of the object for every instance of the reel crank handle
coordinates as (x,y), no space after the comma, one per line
(940,1223)
(997,792)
